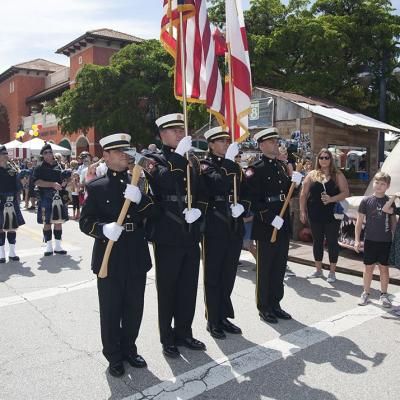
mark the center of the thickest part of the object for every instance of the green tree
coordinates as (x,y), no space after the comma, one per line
(319,49)
(126,96)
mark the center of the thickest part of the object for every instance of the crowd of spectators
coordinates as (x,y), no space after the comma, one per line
(83,169)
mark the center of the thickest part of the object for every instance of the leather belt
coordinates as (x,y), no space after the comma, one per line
(131,226)
(228,198)
(173,197)
(272,199)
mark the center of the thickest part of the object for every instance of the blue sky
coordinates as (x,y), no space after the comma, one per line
(36,29)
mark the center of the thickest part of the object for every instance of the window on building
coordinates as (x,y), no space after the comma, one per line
(12,87)
(80,61)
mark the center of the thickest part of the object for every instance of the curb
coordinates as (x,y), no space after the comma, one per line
(344,270)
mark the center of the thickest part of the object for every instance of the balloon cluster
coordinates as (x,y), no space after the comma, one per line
(19,134)
(34,131)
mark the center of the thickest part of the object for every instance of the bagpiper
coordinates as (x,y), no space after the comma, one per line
(51,180)
(10,213)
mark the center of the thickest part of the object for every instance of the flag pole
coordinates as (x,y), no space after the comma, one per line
(184,98)
(232,114)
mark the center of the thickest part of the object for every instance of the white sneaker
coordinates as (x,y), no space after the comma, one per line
(316,274)
(385,301)
(331,277)
(364,299)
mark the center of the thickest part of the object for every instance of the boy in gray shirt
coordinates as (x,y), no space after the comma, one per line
(379,226)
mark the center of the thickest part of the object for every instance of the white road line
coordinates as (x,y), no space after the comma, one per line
(50,292)
(216,373)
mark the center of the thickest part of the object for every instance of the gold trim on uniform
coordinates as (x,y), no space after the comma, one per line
(203,257)
(176,169)
(261,214)
(93,228)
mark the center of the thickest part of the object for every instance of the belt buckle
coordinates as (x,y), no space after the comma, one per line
(282,197)
(129,227)
(230,198)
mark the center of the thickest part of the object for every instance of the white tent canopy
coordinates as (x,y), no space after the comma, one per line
(14,144)
(34,146)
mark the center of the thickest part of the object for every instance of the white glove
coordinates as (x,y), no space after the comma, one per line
(132,193)
(277,222)
(232,151)
(184,145)
(297,177)
(191,215)
(237,210)
(112,231)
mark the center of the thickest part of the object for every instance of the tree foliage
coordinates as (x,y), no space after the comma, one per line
(319,49)
(126,96)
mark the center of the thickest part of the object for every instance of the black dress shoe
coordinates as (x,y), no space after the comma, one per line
(16,258)
(268,317)
(2,260)
(191,343)
(116,369)
(48,253)
(136,361)
(227,326)
(170,351)
(216,331)
(279,313)
(62,252)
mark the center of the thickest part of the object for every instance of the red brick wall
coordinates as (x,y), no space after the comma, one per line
(24,86)
(91,55)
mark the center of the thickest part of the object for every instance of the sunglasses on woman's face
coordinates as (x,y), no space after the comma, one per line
(324,158)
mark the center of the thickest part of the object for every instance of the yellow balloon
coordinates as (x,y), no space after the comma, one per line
(36,133)
(34,127)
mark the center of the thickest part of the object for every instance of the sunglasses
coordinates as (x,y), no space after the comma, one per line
(324,158)
(47,152)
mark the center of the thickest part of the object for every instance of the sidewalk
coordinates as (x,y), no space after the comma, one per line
(349,261)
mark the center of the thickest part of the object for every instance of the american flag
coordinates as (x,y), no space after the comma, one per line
(203,79)
(240,78)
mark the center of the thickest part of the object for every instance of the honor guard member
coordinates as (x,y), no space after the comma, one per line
(51,180)
(121,293)
(176,235)
(223,236)
(10,213)
(268,183)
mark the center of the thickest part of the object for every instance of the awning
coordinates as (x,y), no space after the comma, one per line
(347,118)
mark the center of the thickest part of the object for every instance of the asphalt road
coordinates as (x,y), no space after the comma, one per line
(50,338)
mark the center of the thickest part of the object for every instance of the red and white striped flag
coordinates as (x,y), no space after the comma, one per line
(203,79)
(240,78)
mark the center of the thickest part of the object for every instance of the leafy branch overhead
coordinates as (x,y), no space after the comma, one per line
(126,96)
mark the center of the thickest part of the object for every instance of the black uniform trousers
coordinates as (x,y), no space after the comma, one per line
(271,266)
(220,258)
(177,275)
(121,309)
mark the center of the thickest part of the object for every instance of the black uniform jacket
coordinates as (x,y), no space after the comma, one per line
(167,180)
(219,175)
(268,183)
(102,206)
(8,179)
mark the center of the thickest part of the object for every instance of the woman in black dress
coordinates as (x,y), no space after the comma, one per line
(322,189)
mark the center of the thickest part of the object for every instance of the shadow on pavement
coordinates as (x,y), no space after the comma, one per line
(57,263)
(14,268)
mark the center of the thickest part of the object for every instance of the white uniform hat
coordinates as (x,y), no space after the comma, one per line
(115,141)
(265,134)
(170,120)
(216,133)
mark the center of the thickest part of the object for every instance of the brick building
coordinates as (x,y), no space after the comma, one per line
(25,87)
